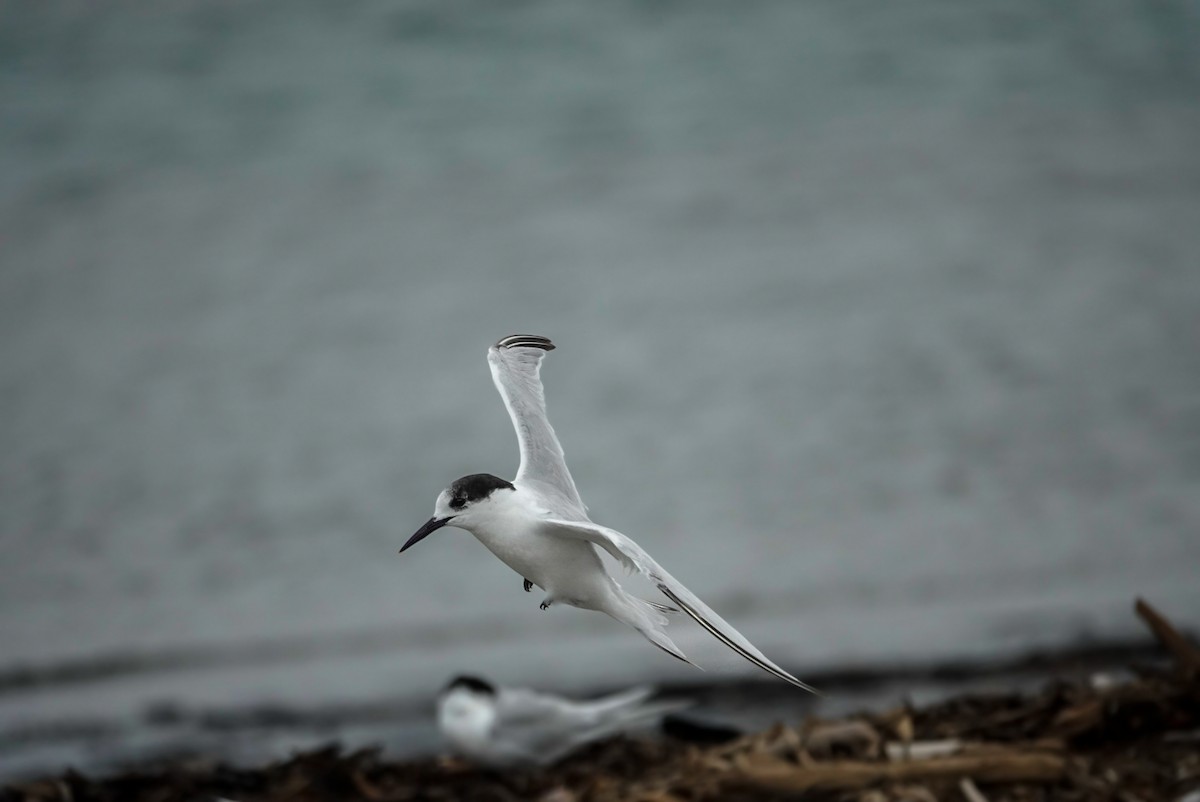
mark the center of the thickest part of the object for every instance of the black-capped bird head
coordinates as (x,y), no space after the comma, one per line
(468,502)
(470,684)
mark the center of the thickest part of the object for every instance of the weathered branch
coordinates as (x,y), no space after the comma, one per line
(1185,654)
(992,766)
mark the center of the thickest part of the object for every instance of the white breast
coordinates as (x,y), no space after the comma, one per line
(563,566)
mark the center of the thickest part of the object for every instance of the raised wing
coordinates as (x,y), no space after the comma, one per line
(516,363)
(634,557)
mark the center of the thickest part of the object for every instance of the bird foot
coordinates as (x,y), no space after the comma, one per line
(545,605)
(528,586)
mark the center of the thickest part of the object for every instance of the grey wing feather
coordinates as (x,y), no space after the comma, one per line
(519,706)
(634,557)
(546,728)
(515,362)
(540,726)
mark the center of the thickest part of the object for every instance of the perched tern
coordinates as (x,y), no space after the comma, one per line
(538,526)
(504,727)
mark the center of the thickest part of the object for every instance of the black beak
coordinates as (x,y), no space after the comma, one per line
(431,526)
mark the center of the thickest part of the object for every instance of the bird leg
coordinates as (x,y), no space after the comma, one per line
(528,586)
(546,602)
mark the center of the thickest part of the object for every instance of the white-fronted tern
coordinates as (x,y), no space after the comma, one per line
(502,727)
(538,526)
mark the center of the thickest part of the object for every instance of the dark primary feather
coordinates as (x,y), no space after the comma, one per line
(525,341)
(721,636)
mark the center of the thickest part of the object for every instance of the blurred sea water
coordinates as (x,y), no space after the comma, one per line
(877,326)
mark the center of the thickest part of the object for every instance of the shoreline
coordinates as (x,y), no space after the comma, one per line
(257,733)
(1078,736)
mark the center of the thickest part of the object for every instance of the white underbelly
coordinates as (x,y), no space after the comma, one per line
(570,569)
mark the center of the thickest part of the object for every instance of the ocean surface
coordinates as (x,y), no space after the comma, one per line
(879,326)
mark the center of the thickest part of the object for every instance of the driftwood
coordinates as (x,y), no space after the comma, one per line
(1187,656)
(990,766)
(970,791)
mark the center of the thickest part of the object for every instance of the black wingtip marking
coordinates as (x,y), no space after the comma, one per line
(662,608)
(716,633)
(525,341)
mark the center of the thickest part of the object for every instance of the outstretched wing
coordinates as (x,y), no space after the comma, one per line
(516,362)
(634,557)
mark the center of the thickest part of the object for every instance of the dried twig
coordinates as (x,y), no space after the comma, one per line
(993,766)
(922,750)
(971,791)
(1186,655)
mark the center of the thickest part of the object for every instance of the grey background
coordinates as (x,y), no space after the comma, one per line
(877,325)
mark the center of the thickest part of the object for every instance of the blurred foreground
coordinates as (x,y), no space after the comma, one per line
(1102,739)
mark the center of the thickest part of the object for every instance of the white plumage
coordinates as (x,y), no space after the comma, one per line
(538,525)
(504,727)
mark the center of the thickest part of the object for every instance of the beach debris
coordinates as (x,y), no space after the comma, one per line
(1127,740)
(922,750)
(693,729)
(852,737)
(970,790)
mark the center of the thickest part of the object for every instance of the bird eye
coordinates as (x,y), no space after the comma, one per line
(457,503)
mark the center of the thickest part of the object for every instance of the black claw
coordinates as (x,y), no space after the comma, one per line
(544,606)
(528,586)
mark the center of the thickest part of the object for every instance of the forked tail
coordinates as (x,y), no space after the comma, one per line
(648,619)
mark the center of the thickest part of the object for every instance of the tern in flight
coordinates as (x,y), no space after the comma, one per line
(538,526)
